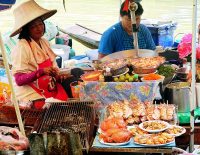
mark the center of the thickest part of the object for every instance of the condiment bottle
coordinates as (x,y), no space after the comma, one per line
(108,75)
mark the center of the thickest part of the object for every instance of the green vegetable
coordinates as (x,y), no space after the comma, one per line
(166,70)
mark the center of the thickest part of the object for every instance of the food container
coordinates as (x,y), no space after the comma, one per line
(179,93)
(75,88)
(158,80)
(91,76)
(38,103)
(119,70)
(182,73)
(141,70)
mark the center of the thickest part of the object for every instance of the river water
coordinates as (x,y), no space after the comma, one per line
(100,14)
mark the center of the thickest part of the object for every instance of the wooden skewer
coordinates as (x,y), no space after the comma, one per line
(14,99)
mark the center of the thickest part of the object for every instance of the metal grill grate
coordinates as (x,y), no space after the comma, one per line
(29,116)
(78,115)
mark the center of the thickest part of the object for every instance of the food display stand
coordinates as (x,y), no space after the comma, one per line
(104,93)
(167,150)
(141,91)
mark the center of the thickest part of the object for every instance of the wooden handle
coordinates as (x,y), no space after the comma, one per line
(14,99)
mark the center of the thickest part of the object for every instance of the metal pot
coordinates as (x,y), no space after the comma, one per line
(179,93)
(182,73)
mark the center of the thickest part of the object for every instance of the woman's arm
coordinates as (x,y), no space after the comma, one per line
(26,78)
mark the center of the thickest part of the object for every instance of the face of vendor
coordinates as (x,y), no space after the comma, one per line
(36,29)
(127,24)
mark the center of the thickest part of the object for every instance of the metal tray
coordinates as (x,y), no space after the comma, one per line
(129,53)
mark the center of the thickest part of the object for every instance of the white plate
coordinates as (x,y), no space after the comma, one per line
(156,145)
(127,69)
(141,75)
(131,127)
(154,131)
(114,144)
(179,134)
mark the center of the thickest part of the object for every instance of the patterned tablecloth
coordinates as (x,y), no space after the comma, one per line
(104,93)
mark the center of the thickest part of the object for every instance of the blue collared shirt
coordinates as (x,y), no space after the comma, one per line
(116,39)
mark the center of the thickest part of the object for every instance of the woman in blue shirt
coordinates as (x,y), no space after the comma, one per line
(119,37)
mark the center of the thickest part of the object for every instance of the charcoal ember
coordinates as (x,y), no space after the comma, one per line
(36,144)
(53,143)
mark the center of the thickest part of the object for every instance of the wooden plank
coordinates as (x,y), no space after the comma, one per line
(135,150)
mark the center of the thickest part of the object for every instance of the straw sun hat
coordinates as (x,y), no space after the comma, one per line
(27,12)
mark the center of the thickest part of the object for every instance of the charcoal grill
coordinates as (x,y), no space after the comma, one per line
(77,115)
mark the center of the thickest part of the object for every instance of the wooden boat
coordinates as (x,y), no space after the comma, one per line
(86,36)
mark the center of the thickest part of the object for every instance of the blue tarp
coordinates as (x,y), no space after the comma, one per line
(6,4)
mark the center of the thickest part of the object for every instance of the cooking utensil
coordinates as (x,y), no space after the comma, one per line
(129,53)
(179,93)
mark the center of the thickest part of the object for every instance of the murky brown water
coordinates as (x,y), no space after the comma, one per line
(100,14)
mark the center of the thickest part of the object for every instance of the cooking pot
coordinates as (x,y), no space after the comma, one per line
(182,73)
(179,93)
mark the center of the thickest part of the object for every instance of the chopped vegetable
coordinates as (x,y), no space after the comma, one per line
(166,70)
(152,76)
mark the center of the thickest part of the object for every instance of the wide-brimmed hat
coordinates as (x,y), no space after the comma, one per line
(27,12)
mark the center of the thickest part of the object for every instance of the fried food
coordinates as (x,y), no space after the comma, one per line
(113,123)
(115,136)
(154,125)
(174,130)
(153,139)
(137,131)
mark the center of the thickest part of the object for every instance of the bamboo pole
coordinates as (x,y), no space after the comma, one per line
(192,104)
(14,99)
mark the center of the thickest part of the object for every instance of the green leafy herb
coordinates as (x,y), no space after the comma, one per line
(166,70)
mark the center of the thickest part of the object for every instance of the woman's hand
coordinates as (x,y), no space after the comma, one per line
(51,71)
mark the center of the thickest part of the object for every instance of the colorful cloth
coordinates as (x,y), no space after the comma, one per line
(117,39)
(104,93)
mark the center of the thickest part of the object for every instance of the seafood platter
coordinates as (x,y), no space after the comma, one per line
(115,132)
(141,124)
